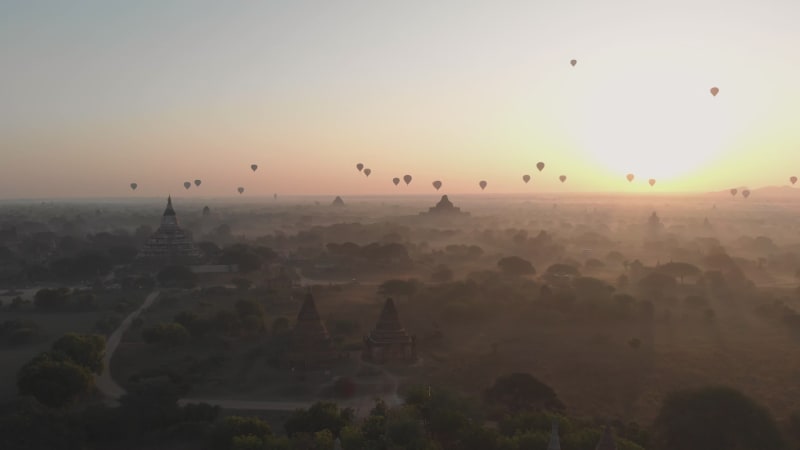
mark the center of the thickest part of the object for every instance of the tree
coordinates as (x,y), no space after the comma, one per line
(223,435)
(249,308)
(679,270)
(280,325)
(320,416)
(442,274)
(562,271)
(54,379)
(51,299)
(657,283)
(516,266)
(714,418)
(86,350)
(169,334)
(522,392)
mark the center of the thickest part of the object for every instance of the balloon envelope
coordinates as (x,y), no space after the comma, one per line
(367,172)
(360,167)
(134,186)
(793,180)
(714,91)
(745,193)
(734,191)
(563,178)
(540,166)
(526,178)
(652,181)
(187,185)
(396,181)
(483,184)
(407,179)
(573,62)
(629,177)
(198,182)
(253,167)
(437,184)
(241,190)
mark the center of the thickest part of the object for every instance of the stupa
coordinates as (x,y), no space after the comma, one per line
(389,341)
(310,344)
(445,208)
(170,243)
(337,201)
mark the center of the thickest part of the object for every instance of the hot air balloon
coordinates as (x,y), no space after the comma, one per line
(407,179)
(198,182)
(629,177)
(134,186)
(734,191)
(714,91)
(437,184)
(526,178)
(360,167)
(241,190)
(396,181)
(253,167)
(745,193)
(187,185)
(651,181)
(367,172)
(573,62)
(483,184)
(793,179)
(563,178)
(540,166)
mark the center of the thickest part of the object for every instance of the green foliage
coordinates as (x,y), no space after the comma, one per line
(52,299)
(280,325)
(86,350)
(321,416)
(714,418)
(168,334)
(249,308)
(224,435)
(30,426)
(54,379)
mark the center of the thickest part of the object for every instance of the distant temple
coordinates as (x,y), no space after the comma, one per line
(310,344)
(389,341)
(170,243)
(337,201)
(445,207)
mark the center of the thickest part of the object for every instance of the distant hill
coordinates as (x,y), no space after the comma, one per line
(773,192)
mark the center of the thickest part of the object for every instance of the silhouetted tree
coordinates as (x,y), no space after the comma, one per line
(516,266)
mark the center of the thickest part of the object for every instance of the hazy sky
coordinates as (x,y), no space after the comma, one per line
(96,95)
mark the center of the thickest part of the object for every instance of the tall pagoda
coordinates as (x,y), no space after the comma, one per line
(389,341)
(310,345)
(170,243)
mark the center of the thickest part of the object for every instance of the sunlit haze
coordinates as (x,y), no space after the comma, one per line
(97,95)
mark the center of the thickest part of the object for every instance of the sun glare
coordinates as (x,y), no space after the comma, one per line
(654,124)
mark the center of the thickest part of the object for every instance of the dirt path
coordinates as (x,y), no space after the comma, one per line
(105,384)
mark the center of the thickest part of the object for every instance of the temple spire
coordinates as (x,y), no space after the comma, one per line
(169,211)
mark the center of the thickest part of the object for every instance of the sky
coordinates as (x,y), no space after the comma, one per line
(95,95)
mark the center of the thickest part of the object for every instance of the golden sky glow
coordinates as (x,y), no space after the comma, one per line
(96,96)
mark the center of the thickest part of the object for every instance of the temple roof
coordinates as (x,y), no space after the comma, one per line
(309,329)
(389,329)
(169,211)
(607,441)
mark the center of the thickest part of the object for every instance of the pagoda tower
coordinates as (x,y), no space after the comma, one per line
(389,341)
(310,344)
(170,243)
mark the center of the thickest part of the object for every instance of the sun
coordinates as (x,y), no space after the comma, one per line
(653,123)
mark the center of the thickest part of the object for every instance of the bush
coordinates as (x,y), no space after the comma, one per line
(169,334)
